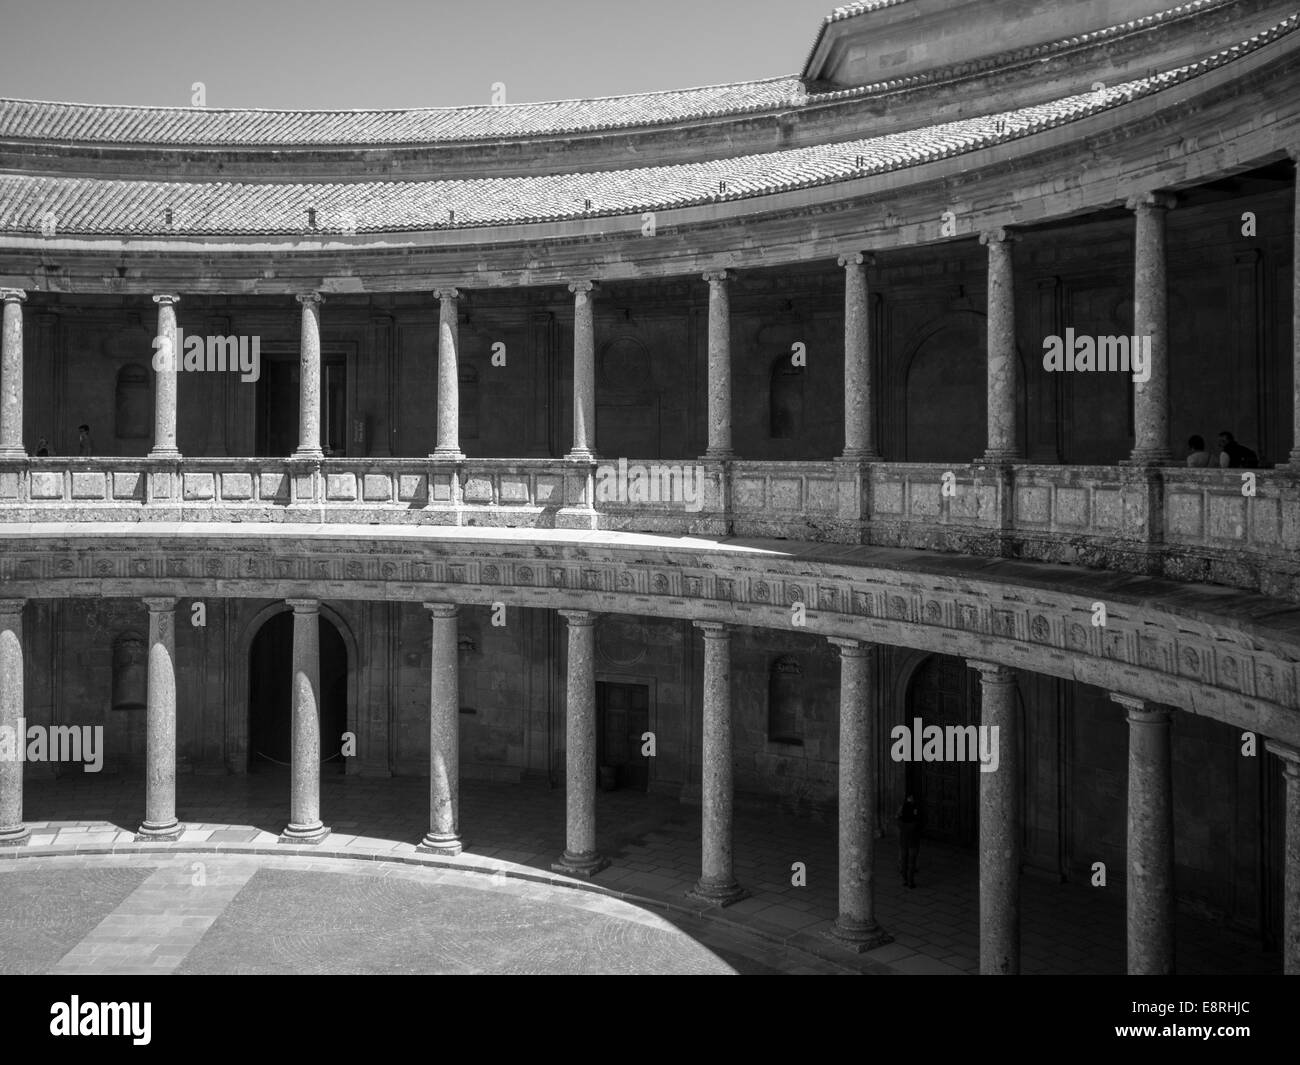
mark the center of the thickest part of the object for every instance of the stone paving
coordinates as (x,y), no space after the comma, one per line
(513,833)
(297,914)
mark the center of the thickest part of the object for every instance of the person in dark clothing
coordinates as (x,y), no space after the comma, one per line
(911,818)
(42,448)
(1235,456)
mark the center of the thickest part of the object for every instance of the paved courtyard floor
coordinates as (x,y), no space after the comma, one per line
(83,897)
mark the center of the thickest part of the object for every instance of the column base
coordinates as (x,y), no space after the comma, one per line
(860,454)
(15,837)
(313,454)
(159,833)
(304,833)
(441,843)
(580,864)
(448,455)
(857,936)
(999,458)
(718,456)
(1151,458)
(13,454)
(717,894)
(168,454)
(580,455)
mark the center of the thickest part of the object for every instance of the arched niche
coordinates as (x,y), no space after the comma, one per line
(130,671)
(785,399)
(785,693)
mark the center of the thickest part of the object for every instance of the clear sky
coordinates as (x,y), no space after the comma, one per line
(391,53)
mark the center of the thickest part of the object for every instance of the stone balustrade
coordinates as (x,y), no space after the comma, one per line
(1211,526)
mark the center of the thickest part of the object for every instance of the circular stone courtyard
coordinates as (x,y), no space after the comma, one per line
(204,913)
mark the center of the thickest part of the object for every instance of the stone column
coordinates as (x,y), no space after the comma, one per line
(1291,870)
(1295,316)
(580,856)
(12,829)
(1003,398)
(717,883)
(856,924)
(160,727)
(448,446)
(164,408)
(584,373)
(1150,319)
(859,431)
(309,381)
(1000,829)
(1150,891)
(719,367)
(11,376)
(444,732)
(304,798)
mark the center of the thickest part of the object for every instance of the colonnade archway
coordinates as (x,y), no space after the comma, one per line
(269,675)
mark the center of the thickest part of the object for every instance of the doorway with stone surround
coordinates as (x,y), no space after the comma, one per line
(269,685)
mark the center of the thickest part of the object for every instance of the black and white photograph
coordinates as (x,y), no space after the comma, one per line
(702,488)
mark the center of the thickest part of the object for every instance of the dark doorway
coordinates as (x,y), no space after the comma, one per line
(944,691)
(270,671)
(623,717)
(278,406)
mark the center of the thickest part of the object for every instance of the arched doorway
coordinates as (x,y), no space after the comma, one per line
(946,393)
(945,691)
(270,669)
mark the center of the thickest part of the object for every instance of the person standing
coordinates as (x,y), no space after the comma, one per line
(85,446)
(910,821)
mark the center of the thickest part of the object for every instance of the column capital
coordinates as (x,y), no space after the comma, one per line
(166,299)
(1289,755)
(1165,200)
(444,294)
(856,258)
(442,610)
(12,606)
(581,286)
(310,298)
(1141,710)
(304,606)
(851,648)
(716,277)
(999,235)
(159,604)
(992,672)
(13,295)
(579,618)
(714,630)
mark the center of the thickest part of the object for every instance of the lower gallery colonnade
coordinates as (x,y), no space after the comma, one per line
(1150,828)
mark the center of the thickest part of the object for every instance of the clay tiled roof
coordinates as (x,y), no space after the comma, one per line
(210,127)
(67,123)
(88,206)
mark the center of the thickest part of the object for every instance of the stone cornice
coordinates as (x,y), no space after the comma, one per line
(1145,651)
